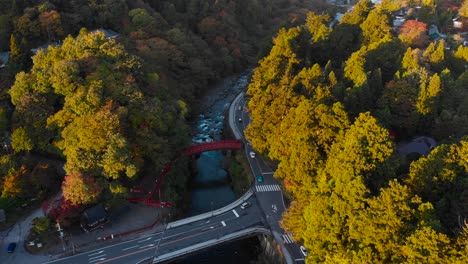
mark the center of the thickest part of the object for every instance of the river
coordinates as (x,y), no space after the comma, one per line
(208,126)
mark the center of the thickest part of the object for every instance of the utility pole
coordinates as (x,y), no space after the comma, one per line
(159,241)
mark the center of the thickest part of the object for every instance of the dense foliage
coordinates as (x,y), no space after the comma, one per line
(114,110)
(322,104)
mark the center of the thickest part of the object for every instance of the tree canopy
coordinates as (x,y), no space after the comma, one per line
(84,101)
(327,120)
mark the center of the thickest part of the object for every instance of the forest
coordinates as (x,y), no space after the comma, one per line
(332,104)
(92,115)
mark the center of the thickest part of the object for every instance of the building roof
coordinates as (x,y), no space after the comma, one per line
(433,32)
(421,145)
(95,214)
(398,21)
(110,34)
(4,56)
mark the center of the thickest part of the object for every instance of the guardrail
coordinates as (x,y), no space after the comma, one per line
(210,243)
(219,211)
(232,111)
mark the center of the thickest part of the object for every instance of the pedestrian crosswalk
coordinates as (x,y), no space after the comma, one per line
(287,239)
(268,188)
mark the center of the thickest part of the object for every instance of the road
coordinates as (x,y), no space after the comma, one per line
(268,192)
(174,239)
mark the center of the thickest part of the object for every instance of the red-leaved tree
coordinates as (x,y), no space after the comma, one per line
(66,213)
(414,33)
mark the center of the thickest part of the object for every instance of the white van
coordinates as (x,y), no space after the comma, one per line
(245,205)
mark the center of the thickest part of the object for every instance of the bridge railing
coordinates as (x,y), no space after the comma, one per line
(219,211)
(212,242)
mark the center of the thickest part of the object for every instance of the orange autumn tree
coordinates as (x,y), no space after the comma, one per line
(79,188)
(14,183)
(414,33)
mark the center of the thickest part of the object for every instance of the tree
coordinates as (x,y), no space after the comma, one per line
(462,53)
(376,27)
(340,192)
(93,143)
(410,62)
(397,106)
(318,26)
(66,213)
(463,11)
(427,100)
(426,246)
(141,18)
(45,178)
(41,225)
(358,14)
(385,221)
(51,25)
(15,51)
(347,39)
(267,94)
(435,55)
(354,67)
(414,33)
(79,188)
(14,183)
(20,140)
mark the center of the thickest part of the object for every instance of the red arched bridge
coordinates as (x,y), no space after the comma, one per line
(194,149)
(216,145)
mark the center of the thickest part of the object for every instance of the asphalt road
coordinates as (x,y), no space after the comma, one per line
(174,239)
(268,192)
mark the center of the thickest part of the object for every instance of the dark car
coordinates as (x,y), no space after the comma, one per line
(11,247)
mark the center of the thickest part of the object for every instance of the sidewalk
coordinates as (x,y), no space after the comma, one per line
(127,221)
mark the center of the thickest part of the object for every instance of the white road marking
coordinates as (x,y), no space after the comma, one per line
(97,253)
(234,211)
(222,222)
(130,247)
(146,239)
(268,188)
(96,260)
(267,173)
(100,256)
(288,239)
(145,246)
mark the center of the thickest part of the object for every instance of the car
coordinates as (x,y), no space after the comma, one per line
(260,178)
(252,154)
(303,251)
(240,119)
(245,205)
(239,108)
(11,247)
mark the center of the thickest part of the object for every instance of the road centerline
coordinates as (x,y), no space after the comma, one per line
(234,211)
(130,247)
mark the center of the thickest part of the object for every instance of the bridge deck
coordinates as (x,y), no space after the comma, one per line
(217,145)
